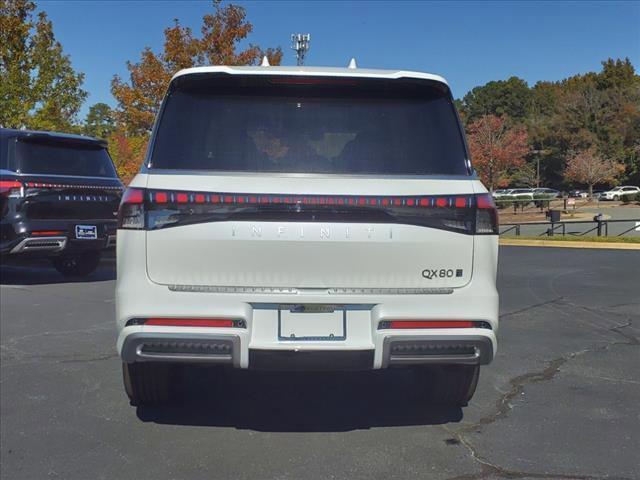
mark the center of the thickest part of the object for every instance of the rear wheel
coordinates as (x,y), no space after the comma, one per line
(149,383)
(77,265)
(451,384)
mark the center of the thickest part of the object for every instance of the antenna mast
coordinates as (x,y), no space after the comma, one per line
(300,43)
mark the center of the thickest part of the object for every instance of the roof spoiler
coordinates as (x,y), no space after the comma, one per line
(46,137)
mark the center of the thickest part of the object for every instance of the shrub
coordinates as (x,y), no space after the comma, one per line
(505,201)
(543,200)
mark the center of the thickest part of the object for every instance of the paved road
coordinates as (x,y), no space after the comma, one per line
(560,401)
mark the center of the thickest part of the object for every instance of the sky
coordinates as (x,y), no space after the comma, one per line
(469,43)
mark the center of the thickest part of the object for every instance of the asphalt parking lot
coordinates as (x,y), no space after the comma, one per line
(561,400)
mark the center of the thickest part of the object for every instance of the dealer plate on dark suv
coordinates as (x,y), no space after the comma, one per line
(59,196)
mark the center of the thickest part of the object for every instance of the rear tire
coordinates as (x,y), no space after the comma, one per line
(149,383)
(452,385)
(78,265)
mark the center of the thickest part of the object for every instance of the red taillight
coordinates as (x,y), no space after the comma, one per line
(418,324)
(10,188)
(486,215)
(47,233)
(131,212)
(485,201)
(190,322)
(133,196)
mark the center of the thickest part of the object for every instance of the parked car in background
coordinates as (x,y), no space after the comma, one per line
(501,193)
(546,192)
(522,193)
(59,197)
(617,192)
(578,194)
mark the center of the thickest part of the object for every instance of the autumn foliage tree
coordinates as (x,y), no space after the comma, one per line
(140,95)
(591,168)
(497,150)
(39,88)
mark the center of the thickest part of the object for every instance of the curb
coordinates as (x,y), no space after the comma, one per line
(569,244)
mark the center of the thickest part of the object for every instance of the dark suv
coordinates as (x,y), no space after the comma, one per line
(59,197)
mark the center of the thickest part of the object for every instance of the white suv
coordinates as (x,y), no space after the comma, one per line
(307,219)
(618,192)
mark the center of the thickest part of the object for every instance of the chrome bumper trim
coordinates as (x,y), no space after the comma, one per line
(315,291)
(187,347)
(40,244)
(437,349)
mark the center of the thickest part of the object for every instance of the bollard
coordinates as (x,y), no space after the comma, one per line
(598,218)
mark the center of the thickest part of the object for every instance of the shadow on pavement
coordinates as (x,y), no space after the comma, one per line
(300,402)
(40,272)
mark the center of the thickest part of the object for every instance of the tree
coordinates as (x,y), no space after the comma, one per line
(99,122)
(589,167)
(526,175)
(38,86)
(222,31)
(140,96)
(503,97)
(496,149)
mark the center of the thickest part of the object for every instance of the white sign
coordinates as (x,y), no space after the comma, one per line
(571,201)
(637,226)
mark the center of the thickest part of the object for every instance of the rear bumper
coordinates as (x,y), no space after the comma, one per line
(221,349)
(17,239)
(259,344)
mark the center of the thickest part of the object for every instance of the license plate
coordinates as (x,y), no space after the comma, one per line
(86,232)
(312,325)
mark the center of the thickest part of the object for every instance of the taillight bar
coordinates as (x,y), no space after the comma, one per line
(9,186)
(70,185)
(158,208)
(189,322)
(248,199)
(420,324)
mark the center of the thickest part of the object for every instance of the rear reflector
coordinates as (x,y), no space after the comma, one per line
(47,233)
(417,324)
(194,322)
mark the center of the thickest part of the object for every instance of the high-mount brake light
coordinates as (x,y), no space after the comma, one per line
(131,214)
(11,188)
(312,81)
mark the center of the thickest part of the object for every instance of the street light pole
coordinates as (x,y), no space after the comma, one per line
(537,153)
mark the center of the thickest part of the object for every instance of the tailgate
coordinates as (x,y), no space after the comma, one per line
(302,232)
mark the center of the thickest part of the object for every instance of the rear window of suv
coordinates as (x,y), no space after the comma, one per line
(309,125)
(60,158)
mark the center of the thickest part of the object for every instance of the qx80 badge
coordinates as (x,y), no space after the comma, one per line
(432,274)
